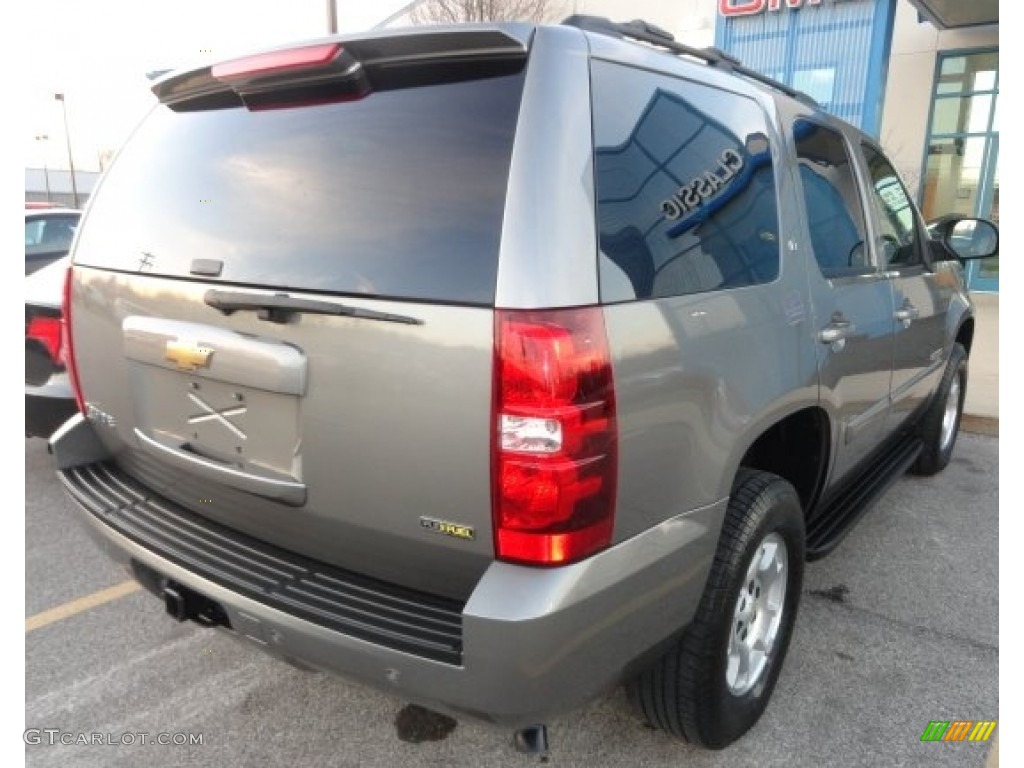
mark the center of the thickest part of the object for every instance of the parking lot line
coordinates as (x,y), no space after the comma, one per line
(80,604)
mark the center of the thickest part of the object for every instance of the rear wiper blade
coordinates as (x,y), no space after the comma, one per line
(278,307)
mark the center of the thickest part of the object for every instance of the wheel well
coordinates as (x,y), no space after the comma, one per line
(965,335)
(796,449)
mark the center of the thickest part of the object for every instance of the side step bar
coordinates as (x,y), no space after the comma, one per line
(832,522)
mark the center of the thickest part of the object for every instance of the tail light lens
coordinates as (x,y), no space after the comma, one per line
(49,332)
(307,58)
(67,341)
(554,447)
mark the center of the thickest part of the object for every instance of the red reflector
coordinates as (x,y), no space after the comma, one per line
(68,342)
(309,57)
(48,332)
(554,447)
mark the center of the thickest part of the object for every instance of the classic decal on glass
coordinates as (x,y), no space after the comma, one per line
(704,187)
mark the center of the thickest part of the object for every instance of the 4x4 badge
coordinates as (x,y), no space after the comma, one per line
(188,355)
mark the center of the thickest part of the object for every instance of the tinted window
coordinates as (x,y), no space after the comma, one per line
(49,234)
(895,212)
(399,194)
(685,191)
(835,214)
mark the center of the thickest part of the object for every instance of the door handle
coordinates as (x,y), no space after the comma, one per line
(907,314)
(836,332)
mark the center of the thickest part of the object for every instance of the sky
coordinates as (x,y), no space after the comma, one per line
(97,52)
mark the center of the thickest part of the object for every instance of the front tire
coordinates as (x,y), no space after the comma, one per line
(940,424)
(714,684)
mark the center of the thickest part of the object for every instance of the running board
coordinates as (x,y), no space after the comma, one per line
(831,524)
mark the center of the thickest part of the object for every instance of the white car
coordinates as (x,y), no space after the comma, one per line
(49,399)
(48,235)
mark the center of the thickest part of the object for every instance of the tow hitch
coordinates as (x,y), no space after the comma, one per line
(532,740)
(185,604)
(180,602)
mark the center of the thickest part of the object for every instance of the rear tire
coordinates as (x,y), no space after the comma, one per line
(698,690)
(940,424)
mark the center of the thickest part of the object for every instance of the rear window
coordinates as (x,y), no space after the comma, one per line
(685,191)
(399,194)
(49,234)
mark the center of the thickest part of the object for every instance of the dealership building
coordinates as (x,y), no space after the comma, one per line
(922,76)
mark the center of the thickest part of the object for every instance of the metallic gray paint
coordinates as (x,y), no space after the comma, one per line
(76,443)
(266,364)
(394,423)
(548,240)
(536,641)
(687,412)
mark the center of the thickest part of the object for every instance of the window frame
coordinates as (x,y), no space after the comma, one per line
(873,267)
(922,261)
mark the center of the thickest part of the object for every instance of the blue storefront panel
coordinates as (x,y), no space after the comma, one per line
(837,51)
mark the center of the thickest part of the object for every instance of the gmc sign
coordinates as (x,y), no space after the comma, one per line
(752,7)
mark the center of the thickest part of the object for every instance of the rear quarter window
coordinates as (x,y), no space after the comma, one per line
(686,195)
(399,194)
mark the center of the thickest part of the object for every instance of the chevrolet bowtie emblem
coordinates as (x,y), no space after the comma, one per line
(188,355)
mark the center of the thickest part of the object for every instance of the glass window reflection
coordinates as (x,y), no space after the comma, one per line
(685,189)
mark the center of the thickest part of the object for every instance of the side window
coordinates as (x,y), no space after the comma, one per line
(835,215)
(686,197)
(897,231)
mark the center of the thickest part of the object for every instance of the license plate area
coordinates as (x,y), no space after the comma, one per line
(226,399)
(250,429)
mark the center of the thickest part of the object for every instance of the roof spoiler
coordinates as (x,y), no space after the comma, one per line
(338,68)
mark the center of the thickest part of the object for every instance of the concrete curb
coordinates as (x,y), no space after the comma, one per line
(980,425)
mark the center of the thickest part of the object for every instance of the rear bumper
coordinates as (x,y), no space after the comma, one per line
(532,642)
(48,406)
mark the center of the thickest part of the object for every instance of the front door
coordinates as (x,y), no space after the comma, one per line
(920,295)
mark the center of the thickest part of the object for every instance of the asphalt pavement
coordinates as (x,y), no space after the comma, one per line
(897,628)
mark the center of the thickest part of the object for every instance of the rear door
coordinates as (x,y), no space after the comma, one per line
(285,307)
(853,303)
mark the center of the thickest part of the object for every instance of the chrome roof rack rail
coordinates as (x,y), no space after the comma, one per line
(650,33)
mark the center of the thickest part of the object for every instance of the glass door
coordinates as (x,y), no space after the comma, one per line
(961,168)
(984,275)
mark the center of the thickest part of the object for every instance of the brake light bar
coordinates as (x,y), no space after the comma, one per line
(310,57)
(315,73)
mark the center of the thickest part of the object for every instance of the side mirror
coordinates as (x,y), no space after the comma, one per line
(966,238)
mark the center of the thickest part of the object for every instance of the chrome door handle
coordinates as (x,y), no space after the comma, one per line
(907,314)
(837,330)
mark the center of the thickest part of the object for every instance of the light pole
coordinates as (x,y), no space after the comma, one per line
(67,135)
(46,166)
(332,17)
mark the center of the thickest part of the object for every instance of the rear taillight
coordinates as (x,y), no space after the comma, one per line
(554,444)
(48,331)
(68,343)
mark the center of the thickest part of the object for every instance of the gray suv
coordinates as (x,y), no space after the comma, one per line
(497,365)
